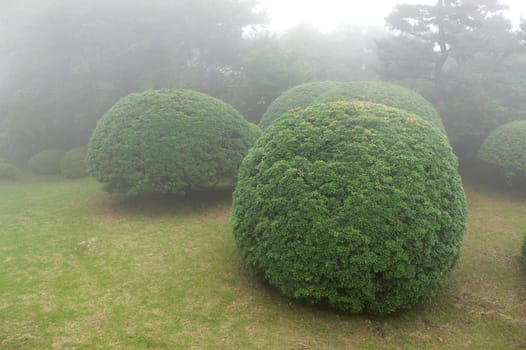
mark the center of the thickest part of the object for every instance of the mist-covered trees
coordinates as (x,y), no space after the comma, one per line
(90,54)
(63,67)
(466,58)
(440,31)
(64,63)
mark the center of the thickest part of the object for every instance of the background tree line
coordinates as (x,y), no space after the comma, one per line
(64,65)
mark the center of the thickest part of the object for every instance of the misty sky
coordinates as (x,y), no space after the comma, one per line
(326,14)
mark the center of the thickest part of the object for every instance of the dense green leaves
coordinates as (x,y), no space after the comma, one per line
(46,162)
(298,96)
(91,53)
(505,148)
(168,141)
(351,203)
(373,91)
(456,28)
(73,164)
(385,93)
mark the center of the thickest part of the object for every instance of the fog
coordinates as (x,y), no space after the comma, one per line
(64,63)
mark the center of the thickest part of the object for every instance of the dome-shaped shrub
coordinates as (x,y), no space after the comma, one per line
(351,203)
(385,93)
(505,148)
(168,141)
(373,91)
(298,96)
(73,164)
(46,162)
(8,171)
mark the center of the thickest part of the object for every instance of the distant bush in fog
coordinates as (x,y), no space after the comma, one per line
(8,171)
(46,162)
(168,141)
(505,148)
(73,164)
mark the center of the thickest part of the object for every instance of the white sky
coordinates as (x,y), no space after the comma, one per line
(327,14)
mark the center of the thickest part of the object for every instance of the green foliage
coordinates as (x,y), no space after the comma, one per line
(352,203)
(73,164)
(387,94)
(298,96)
(8,171)
(460,29)
(48,104)
(524,249)
(373,91)
(168,141)
(46,162)
(268,69)
(505,148)
(475,99)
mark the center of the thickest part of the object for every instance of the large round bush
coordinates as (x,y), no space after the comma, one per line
(73,164)
(351,203)
(46,162)
(505,148)
(372,91)
(168,141)
(298,96)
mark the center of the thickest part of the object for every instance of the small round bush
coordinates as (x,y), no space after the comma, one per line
(46,162)
(73,164)
(298,96)
(8,171)
(505,148)
(353,204)
(168,141)
(372,91)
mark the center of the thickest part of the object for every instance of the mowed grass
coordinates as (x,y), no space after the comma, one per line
(83,270)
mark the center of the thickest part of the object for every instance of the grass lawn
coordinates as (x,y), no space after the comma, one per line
(83,270)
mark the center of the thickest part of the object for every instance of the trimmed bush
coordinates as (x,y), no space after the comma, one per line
(168,141)
(373,91)
(8,171)
(46,162)
(352,203)
(505,148)
(387,94)
(73,164)
(299,96)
